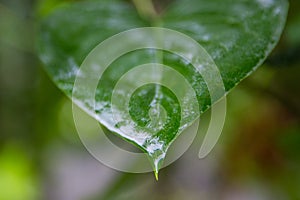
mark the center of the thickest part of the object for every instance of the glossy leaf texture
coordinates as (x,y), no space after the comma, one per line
(238,34)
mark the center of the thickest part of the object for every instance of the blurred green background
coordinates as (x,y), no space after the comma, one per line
(41,156)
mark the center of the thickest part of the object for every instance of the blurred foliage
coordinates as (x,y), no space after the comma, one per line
(257,157)
(18,178)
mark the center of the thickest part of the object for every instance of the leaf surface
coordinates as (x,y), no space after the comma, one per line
(238,34)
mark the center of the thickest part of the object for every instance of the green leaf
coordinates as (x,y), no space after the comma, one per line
(238,34)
